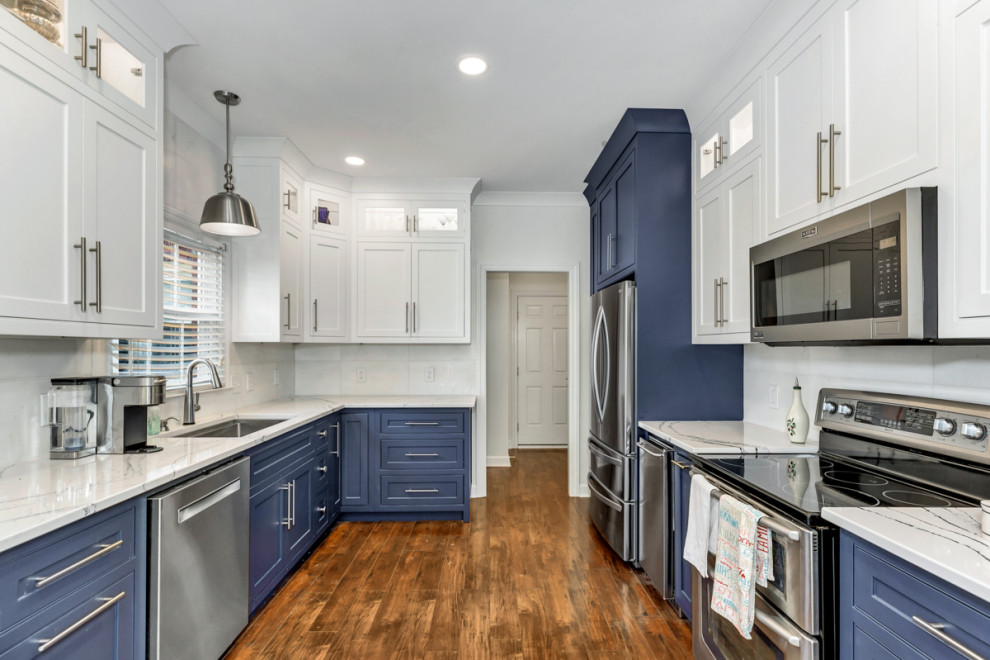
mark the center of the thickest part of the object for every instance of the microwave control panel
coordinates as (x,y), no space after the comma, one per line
(887,270)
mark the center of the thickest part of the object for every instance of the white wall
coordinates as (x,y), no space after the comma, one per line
(959,373)
(193,170)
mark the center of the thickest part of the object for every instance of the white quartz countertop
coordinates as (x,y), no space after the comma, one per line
(40,496)
(946,542)
(726,438)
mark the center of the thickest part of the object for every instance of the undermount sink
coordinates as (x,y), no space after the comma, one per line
(231,428)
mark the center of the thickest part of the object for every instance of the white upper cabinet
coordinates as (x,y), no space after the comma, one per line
(382,295)
(799,103)
(964,217)
(95,48)
(418,218)
(726,226)
(411,292)
(291,253)
(851,108)
(291,196)
(120,208)
(729,139)
(886,93)
(82,204)
(330,210)
(328,279)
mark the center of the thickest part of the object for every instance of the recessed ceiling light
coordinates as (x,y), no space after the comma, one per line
(354,160)
(472,65)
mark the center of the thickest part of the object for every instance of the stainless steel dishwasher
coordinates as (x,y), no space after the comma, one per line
(655,515)
(198,564)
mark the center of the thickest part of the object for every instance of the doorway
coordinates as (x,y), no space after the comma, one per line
(528,363)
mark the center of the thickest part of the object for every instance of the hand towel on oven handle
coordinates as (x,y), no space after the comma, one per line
(735,579)
(701,535)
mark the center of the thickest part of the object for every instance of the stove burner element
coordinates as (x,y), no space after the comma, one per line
(855,478)
(841,496)
(914,498)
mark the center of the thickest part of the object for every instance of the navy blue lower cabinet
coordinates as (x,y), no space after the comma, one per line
(355,467)
(92,571)
(268,516)
(334,498)
(885,604)
(301,509)
(681,496)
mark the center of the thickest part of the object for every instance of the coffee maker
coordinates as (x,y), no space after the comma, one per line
(106,415)
(124,401)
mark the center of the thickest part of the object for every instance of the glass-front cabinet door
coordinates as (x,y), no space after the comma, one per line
(90,44)
(383,217)
(438,219)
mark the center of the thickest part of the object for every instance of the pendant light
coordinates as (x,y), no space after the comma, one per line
(227,213)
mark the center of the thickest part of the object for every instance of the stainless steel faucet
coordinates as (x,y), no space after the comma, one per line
(190,407)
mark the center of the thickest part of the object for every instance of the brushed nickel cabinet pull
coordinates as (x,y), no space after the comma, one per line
(414,318)
(287,521)
(422,490)
(288,310)
(715,301)
(336,452)
(107,604)
(99,58)
(289,194)
(715,160)
(721,151)
(81,246)
(104,550)
(422,423)
(99,278)
(935,630)
(415,224)
(681,466)
(407,317)
(432,455)
(407,223)
(83,56)
(818,166)
(721,301)
(831,160)
(315,316)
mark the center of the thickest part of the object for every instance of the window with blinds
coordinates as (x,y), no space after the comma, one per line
(193,326)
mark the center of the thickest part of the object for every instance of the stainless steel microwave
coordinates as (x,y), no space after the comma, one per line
(863,276)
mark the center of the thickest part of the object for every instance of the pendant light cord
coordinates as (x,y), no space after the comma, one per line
(228,169)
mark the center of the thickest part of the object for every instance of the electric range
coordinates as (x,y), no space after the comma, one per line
(874,450)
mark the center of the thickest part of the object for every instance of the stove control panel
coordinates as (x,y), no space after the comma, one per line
(941,426)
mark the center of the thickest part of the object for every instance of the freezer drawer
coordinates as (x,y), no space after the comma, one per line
(614,518)
(613,470)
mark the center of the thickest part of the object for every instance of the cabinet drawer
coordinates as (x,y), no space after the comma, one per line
(403,422)
(321,516)
(422,491)
(278,455)
(323,432)
(420,454)
(107,608)
(890,596)
(41,572)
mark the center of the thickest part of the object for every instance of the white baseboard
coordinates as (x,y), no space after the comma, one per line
(499,461)
(525,447)
(583,490)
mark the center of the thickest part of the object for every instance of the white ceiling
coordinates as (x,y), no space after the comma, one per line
(378,78)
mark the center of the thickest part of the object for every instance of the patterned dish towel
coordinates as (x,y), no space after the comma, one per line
(733,585)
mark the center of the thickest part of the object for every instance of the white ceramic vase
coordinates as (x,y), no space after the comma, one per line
(797,418)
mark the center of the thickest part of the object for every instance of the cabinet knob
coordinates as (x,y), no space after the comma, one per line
(321,468)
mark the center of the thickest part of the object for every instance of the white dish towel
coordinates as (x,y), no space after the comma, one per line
(734,582)
(702,512)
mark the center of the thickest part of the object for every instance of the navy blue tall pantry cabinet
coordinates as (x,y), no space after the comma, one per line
(639,191)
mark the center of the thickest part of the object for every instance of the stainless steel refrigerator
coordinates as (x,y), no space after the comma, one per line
(613,473)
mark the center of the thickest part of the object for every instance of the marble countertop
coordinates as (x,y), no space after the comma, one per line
(726,438)
(40,496)
(946,542)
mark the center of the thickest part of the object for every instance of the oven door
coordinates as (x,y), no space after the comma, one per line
(796,588)
(774,636)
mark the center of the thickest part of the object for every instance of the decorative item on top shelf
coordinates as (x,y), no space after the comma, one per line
(797,418)
(227,213)
(42,16)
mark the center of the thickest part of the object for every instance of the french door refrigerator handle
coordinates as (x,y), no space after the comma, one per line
(595,345)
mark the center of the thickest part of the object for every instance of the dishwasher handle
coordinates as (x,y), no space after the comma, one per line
(663,452)
(202,504)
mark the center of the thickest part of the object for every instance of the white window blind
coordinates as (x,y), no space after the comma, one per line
(193,327)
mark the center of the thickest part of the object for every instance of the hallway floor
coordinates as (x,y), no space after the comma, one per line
(528,577)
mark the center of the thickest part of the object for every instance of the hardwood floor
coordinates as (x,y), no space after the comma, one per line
(528,577)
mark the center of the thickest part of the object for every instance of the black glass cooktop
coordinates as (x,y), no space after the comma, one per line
(808,482)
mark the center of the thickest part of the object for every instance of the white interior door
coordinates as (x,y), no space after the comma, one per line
(541,355)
